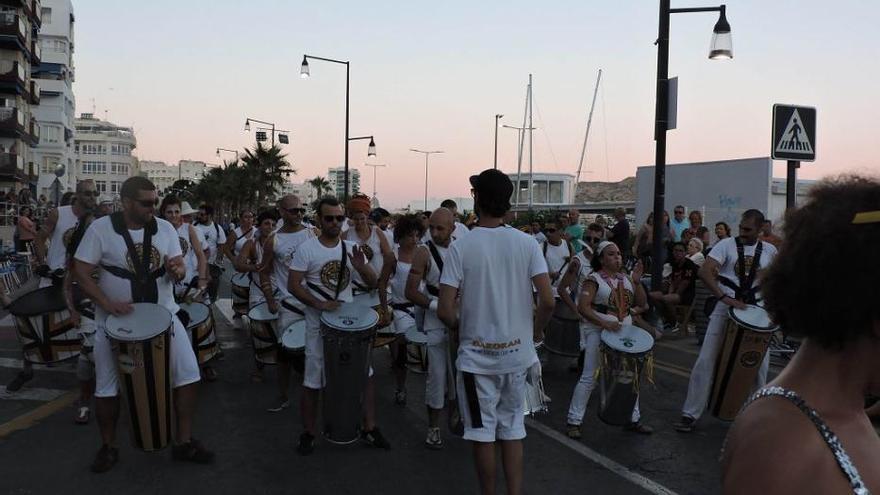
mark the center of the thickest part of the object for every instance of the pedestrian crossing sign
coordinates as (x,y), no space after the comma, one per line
(794,133)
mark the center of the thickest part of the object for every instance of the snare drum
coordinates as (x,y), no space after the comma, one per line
(44,328)
(241,290)
(87,328)
(417,350)
(384,333)
(262,324)
(622,357)
(563,335)
(293,344)
(141,341)
(200,331)
(346,333)
(745,343)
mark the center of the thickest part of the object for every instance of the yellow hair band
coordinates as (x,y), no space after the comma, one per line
(867,217)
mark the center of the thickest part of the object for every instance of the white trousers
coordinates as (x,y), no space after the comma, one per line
(700,385)
(440,370)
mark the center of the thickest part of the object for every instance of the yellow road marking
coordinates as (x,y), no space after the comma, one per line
(30,418)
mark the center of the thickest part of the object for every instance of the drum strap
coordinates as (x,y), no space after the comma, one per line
(143,283)
(319,291)
(744,291)
(342,268)
(293,308)
(405,307)
(78,234)
(473,400)
(433,290)
(244,234)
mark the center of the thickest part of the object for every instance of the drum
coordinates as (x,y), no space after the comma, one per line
(241,291)
(417,351)
(623,355)
(87,327)
(563,335)
(746,339)
(533,398)
(262,324)
(347,333)
(293,344)
(44,328)
(141,341)
(384,334)
(200,331)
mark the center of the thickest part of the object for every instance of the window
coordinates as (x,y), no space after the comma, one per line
(115,187)
(50,134)
(46,15)
(94,167)
(539,192)
(93,149)
(119,168)
(555,192)
(48,168)
(121,149)
(101,186)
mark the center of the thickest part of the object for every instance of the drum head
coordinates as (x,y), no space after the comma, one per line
(261,312)
(145,322)
(40,301)
(198,313)
(241,280)
(350,317)
(414,336)
(369,299)
(294,337)
(753,317)
(630,339)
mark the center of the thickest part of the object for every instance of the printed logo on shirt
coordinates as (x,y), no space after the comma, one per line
(68,235)
(496,349)
(748,260)
(368,252)
(155,257)
(184,245)
(330,274)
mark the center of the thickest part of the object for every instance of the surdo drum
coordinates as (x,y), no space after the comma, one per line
(293,344)
(563,335)
(347,334)
(417,350)
(623,355)
(263,336)
(746,339)
(240,292)
(385,333)
(141,341)
(44,327)
(200,330)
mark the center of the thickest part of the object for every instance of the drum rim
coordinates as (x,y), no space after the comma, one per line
(627,351)
(732,315)
(360,328)
(140,338)
(240,275)
(45,290)
(289,330)
(193,323)
(255,306)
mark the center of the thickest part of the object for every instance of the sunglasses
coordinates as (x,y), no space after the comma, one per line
(550,230)
(294,211)
(331,218)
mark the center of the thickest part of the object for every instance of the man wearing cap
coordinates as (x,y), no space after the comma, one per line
(495,327)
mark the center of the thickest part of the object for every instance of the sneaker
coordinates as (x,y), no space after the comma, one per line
(374,438)
(671,328)
(280,406)
(433,440)
(82,415)
(20,379)
(638,427)
(105,460)
(306,443)
(400,397)
(573,431)
(685,425)
(192,451)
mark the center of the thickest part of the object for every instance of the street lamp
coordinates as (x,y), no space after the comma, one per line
(720,49)
(498,117)
(304,68)
(282,134)
(427,154)
(247,127)
(375,166)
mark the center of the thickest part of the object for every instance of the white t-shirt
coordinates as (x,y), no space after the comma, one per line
(372,248)
(321,267)
(493,270)
(101,245)
(284,247)
(241,238)
(214,237)
(64,228)
(461,230)
(726,255)
(557,260)
(190,260)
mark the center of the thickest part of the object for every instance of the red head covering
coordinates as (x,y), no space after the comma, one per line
(359,203)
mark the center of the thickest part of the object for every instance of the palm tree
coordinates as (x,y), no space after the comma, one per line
(265,169)
(321,185)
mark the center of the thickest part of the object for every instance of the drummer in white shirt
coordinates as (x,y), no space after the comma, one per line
(321,278)
(739,262)
(491,272)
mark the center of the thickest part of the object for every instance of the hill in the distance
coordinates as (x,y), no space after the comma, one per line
(624,190)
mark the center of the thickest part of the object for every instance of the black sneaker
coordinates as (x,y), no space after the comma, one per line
(638,427)
(192,451)
(105,460)
(685,425)
(306,443)
(374,438)
(20,379)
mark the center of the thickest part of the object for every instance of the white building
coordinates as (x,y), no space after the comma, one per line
(164,175)
(417,205)
(56,112)
(548,189)
(104,153)
(336,177)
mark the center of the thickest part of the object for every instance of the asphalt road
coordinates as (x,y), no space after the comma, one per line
(42,451)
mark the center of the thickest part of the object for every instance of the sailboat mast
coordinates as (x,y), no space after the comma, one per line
(520,143)
(531,131)
(586,137)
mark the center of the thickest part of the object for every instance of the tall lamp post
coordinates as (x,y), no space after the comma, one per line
(227,150)
(498,117)
(721,48)
(371,151)
(427,154)
(247,127)
(375,166)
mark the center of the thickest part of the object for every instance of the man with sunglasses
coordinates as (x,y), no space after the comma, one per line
(679,222)
(214,238)
(557,252)
(58,228)
(321,278)
(139,258)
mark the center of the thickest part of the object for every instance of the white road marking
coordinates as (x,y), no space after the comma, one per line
(17,364)
(614,467)
(40,394)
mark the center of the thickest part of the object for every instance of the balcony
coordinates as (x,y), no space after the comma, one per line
(36,51)
(37,10)
(12,78)
(13,31)
(11,122)
(33,135)
(35,93)
(11,167)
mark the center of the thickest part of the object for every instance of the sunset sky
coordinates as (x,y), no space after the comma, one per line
(432,75)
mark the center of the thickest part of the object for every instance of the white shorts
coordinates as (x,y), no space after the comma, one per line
(440,370)
(491,406)
(403,321)
(313,375)
(184,365)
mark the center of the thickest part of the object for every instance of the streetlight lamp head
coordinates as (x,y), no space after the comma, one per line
(218,151)
(722,42)
(247,124)
(371,149)
(304,69)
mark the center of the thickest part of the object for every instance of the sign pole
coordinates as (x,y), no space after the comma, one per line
(791,184)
